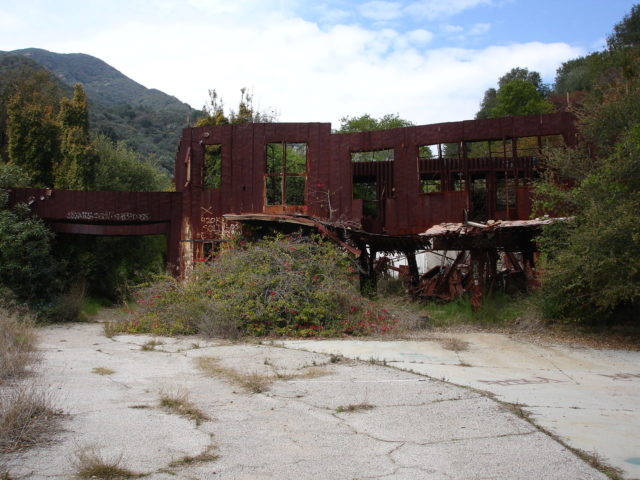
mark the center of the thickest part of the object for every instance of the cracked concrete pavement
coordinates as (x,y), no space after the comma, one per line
(589,397)
(318,416)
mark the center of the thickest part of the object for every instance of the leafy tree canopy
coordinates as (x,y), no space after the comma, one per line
(519,92)
(519,97)
(595,69)
(367,123)
(626,34)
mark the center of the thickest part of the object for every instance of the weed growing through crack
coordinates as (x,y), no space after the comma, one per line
(454,344)
(179,403)
(356,407)
(255,382)
(207,456)
(335,358)
(151,345)
(103,371)
(251,382)
(89,463)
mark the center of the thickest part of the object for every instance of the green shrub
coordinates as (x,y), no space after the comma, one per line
(286,286)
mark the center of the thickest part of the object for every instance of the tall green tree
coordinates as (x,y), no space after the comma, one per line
(76,170)
(33,133)
(519,97)
(519,92)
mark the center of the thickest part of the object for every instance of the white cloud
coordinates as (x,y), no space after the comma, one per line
(449,29)
(380,10)
(305,70)
(420,36)
(433,9)
(480,29)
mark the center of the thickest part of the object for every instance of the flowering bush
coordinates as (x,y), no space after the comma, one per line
(284,286)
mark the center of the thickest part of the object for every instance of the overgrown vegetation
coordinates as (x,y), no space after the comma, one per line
(591,272)
(285,286)
(497,310)
(49,143)
(27,416)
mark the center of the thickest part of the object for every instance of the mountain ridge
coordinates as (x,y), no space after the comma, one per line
(146,119)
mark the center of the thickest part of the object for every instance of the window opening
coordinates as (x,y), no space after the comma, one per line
(286,173)
(438,150)
(385,155)
(552,141)
(367,190)
(478,210)
(430,183)
(505,192)
(212,168)
(458,182)
(483,149)
(210,250)
(429,151)
(527,147)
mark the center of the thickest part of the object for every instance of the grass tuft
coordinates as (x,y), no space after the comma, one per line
(251,382)
(151,345)
(103,371)
(454,344)
(204,457)
(90,464)
(179,403)
(357,407)
(27,417)
(17,343)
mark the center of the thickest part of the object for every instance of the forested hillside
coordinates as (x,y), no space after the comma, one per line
(147,120)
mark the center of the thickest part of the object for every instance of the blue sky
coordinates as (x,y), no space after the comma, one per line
(426,60)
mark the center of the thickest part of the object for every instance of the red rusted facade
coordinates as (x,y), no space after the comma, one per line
(192,216)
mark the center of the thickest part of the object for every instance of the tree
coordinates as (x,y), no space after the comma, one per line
(33,134)
(626,34)
(367,123)
(27,267)
(76,170)
(488,104)
(581,74)
(118,168)
(519,97)
(520,92)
